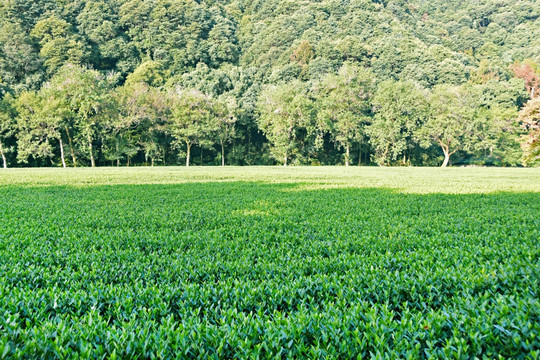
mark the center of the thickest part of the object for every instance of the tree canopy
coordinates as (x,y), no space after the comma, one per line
(93,82)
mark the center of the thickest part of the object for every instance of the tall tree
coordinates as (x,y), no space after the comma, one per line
(59,45)
(191,121)
(21,68)
(343,103)
(400,108)
(452,122)
(56,113)
(530,120)
(143,110)
(38,128)
(286,116)
(110,48)
(7,126)
(224,112)
(89,97)
(529,72)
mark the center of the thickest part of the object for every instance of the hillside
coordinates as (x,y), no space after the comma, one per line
(280,81)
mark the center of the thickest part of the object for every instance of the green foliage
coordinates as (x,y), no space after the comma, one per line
(459,120)
(343,104)
(286,116)
(530,120)
(224,111)
(20,64)
(139,125)
(312,263)
(7,126)
(149,72)
(192,121)
(236,48)
(87,96)
(58,45)
(37,130)
(401,107)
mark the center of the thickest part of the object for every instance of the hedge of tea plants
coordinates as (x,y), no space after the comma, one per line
(259,270)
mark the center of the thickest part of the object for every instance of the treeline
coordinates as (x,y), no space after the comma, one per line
(131,82)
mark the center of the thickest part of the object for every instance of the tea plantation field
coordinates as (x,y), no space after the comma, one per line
(319,263)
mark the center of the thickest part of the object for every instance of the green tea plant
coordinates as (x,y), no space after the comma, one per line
(269,263)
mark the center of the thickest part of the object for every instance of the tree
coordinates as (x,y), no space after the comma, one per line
(7,126)
(149,72)
(286,117)
(88,96)
(222,41)
(239,50)
(528,71)
(344,105)
(55,112)
(69,93)
(213,82)
(224,113)
(191,120)
(110,49)
(529,117)
(142,112)
(303,53)
(452,121)
(400,108)
(38,126)
(468,40)
(20,65)
(58,45)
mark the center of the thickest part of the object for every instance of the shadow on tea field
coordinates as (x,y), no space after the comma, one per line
(240,269)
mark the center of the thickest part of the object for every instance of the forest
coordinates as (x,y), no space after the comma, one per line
(269,82)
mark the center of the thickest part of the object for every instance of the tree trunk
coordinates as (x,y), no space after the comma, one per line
(222,154)
(62,153)
(117,153)
(248,147)
(188,153)
(446,159)
(447,153)
(383,161)
(446,156)
(4,161)
(152,161)
(92,160)
(285,160)
(347,154)
(360,155)
(71,148)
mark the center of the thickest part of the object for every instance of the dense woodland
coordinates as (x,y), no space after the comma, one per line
(245,82)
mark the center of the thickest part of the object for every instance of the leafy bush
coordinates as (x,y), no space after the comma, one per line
(316,264)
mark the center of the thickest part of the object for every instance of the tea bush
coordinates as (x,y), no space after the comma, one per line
(270,263)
